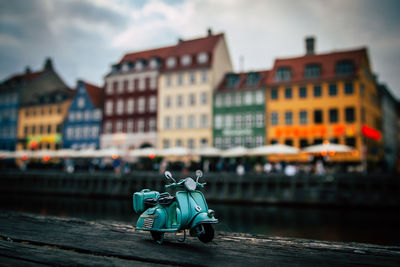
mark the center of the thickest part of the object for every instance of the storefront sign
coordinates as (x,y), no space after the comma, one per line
(371,133)
(315,131)
(54,138)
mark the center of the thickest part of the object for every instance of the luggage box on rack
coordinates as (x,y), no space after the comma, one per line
(139,197)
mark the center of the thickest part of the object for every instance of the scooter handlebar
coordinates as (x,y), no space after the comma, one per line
(201,185)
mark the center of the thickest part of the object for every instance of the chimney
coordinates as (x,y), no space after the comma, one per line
(310,45)
(27,70)
(180,40)
(209,31)
(48,64)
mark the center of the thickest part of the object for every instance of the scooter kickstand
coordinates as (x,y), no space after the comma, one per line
(184,236)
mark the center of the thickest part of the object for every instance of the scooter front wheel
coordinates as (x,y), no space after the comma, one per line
(157,236)
(206,234)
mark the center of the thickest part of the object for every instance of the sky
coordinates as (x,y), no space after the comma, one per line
(85,37)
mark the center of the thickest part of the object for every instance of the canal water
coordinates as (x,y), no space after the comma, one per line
(378,226)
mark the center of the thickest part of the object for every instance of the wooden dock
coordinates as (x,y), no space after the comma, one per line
(27,239)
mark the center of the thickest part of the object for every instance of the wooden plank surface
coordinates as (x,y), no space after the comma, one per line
(32,239)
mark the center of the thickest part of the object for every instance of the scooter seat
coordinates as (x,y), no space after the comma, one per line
(150,201)
(166,200)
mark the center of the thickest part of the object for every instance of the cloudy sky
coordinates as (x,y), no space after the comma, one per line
(85,37)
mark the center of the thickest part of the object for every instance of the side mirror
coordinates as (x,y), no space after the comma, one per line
(199,174)
(168,175)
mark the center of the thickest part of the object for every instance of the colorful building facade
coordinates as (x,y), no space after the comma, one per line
(239,110)
(329,97)
(130,105)
(82,126)
(191,72)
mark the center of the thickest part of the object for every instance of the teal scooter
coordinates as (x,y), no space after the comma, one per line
(164,213)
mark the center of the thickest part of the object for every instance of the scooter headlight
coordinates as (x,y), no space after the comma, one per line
(190,184)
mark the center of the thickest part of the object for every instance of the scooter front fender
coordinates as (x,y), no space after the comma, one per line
(202,217)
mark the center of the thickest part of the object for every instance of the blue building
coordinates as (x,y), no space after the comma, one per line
(82,127)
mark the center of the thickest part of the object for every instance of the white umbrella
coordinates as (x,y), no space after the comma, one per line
(42,153)
(62,153)
(87,153)
(175,151)
(328,148)
(22,153)
(276,149)
(109,152)
(6,154)
(144,152)
(208,152)
(235,152)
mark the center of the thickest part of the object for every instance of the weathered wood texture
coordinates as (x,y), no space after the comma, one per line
(27,239)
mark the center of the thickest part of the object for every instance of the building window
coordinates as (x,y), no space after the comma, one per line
(129,126)
(71,116)
(141,104)
(332,89)
(179,100)
(248,98)
(302,92)
(142,84)
(249,120)
(167,123)
(238,99)
(289,142)
(49,128)
(119,126)
(95,131)
(232,80)
(288,118)
(192,121)
(41,129)
(192,99)
(204,98)
(153,63)
(303,117)
(344,67)
(318,116)
(129,106)
(120,106)
(204,121)
(97,114)
(140,126)
(227,142)
(228,100)
(70,132)
(171,62)
(238,121)
(190,143)
(238,141)
(167,101)
(334,140)
(78,132)
(204,77)
(87,115)
(218,101)
(252,79)
(152,125)
(86,130)
(349,114)
(249,141)
(179,122)
(109,107)
(136,84)
(81,103)
(152,104)
(259,120)
(180,78)
(202,57)
(317,91)
(78,115)
(333,115)
(288,93)
(283,74)
(125,86)
(217,121)
(274,118)
(168,80)
(178,143)
(259,140)
(318,141)
(218,142)
(153,83)
(350,141)
(259,97)
(192,77)
(186,60)
(228,121)
(166,143)
(203,142)
(108,127)
(303,143)
(273,141)
(312,71)
(348,88)
(274,93)
(109,88)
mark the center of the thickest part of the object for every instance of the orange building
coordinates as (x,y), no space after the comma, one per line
(318,98)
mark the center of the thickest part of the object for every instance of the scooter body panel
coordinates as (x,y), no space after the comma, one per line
(190,203)
(153,219)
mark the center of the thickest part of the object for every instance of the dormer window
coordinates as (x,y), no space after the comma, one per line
(171,62)
(186,60)
(232,80)
(252,79)
(344,67)
(283,74)
(153,63)
(125,66)
(139,65)
(116,68)
(312,71)
(202,58)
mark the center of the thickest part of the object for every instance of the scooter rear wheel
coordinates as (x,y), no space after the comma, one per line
(208,234)
(157,236)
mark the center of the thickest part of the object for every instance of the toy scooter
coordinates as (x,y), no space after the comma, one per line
(165,213)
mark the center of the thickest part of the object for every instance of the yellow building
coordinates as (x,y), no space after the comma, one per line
(40,126)
(192,70)
(319,98)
